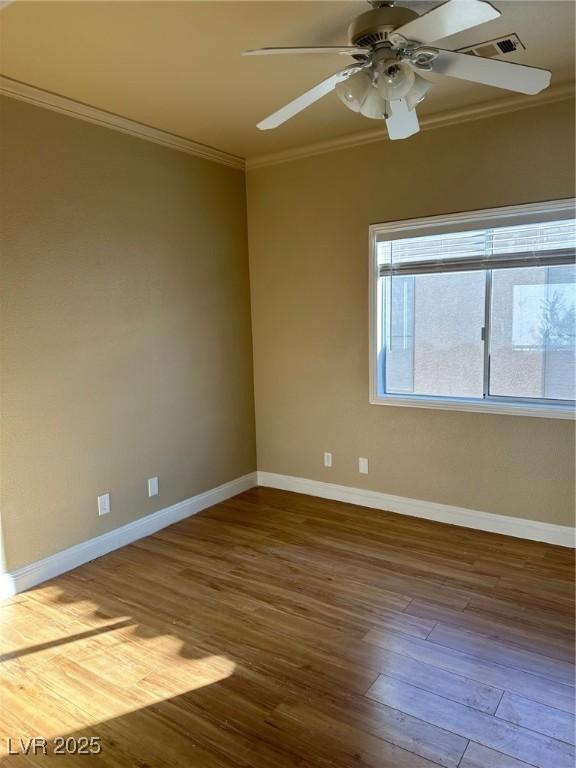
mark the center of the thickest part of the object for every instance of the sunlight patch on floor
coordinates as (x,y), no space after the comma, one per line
(66,696)
(70,669)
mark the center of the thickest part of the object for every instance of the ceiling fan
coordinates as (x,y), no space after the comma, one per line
(391,48)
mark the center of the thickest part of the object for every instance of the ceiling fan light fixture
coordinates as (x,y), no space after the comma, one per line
(393,47)
(353,90)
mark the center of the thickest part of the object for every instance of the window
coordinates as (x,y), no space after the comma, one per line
(476,311)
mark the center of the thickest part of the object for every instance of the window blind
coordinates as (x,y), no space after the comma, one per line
(543,244)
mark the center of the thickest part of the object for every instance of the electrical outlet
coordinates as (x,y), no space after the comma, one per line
(362,465)
(152,486)
(327,459)
(104,504)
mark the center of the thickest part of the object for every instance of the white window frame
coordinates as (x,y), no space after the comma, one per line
(481,219)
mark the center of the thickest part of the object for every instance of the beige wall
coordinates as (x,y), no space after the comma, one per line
(126,324)
(126,328)
(308,235)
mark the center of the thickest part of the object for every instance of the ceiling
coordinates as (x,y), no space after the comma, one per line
(177,65)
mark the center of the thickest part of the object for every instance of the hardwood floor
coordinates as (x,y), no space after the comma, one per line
(277,630)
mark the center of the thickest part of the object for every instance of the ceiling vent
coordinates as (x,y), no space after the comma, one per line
(499,47)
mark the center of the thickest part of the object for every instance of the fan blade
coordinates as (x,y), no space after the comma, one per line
(448,19)
(403,122)
(350,50)
(500,74)
(306,99)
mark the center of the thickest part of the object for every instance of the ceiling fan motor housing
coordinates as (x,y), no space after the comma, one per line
(375,26)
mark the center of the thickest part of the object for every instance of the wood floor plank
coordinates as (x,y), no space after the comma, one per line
(407,586)
(350,746)
(391,725)
(532,686)
(477,756)
(537,717)
(489,731)
(554,643)
(447,684)
(550,588)
(548,616)
(504,653)
(535,592)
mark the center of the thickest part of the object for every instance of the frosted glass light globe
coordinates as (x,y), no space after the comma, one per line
(354,89)
(418,91)
(395,81)
(374,106)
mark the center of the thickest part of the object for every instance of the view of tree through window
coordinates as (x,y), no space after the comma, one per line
(479,315)
(533,333)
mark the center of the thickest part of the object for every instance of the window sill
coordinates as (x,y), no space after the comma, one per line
(476,406)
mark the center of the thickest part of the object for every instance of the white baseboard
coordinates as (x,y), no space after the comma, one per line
(442,513)
(30,575)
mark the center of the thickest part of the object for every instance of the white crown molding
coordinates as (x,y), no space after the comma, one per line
(452,117)
(533,530)
(41,98)
(30,575)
